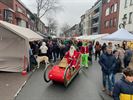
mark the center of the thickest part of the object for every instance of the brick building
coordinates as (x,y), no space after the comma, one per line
(110,15)
(6,13)
(15,12)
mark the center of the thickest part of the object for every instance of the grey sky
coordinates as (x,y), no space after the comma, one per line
(72,10)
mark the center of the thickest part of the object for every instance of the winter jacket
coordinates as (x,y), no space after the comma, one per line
(118,67)
(43,48)
(108,63)
(128,55)
(123,90)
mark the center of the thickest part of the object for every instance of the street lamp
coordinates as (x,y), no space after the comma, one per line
(122,25)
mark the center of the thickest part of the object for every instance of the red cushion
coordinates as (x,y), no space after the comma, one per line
(57,74)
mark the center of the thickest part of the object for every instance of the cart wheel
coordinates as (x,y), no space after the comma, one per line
(46,71)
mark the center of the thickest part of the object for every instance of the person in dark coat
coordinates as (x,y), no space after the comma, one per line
(55,50)
(90,51)
(104,48)
(50,48)
(118,67)
(123,89)
(127,57)
(108,64)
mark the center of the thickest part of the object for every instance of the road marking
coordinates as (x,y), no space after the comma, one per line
(20,89)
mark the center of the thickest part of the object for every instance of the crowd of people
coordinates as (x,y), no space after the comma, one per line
(112,61)
(113,58)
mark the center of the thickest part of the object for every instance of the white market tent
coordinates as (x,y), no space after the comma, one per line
(99,36)
(83,37)
(91,37)
(119,35)
(14,46)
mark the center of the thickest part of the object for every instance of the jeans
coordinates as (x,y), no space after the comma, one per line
(97,53)
(108,81)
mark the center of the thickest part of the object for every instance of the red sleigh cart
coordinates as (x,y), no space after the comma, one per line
(65,71)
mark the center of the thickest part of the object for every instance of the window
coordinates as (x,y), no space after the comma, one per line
(130,17)
(112,9)
(115,7)
(115,22)
(21,23)
(108,1)
(111,23)
(106,24)
(107,12)
(125,4)
(28,15)
(8,16)
(131,2)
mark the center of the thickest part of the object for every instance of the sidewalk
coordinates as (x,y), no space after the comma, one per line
(10,84)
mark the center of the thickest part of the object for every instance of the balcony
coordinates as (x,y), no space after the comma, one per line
(95,25)
(96,15)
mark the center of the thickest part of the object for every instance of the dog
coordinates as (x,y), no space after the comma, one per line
(40,59)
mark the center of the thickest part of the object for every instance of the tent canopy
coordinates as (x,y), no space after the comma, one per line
(119,35)
(91,37)
(21,31)
(14,47)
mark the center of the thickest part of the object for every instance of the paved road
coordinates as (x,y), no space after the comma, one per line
(86,86)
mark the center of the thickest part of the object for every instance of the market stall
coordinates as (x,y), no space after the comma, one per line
(14,46)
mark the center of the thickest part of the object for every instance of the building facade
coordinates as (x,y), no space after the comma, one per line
(73,31)
(96,17)
(126,11)
(110,15)
(19,12)
(88,18)
(15,12)
(82,24)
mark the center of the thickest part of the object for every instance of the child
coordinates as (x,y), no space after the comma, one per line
(123,89)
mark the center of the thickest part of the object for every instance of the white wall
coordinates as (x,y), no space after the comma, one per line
(123,11)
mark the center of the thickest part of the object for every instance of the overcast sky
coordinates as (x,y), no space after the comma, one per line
(72,10)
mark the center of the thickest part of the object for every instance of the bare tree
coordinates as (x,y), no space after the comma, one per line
(45,6)
(53,25)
